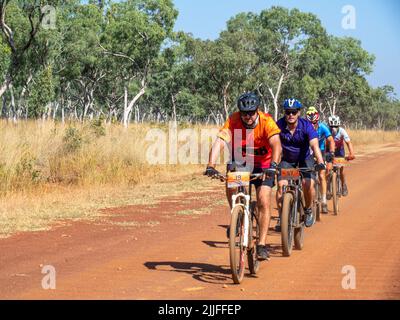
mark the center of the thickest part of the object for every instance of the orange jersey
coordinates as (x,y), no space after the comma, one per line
(256,140)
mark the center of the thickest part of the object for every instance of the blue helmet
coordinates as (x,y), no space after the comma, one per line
(248,102)
(292,104)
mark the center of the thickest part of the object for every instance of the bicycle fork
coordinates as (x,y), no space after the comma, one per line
(246,207)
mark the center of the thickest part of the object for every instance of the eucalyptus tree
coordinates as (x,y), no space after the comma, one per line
(133,35)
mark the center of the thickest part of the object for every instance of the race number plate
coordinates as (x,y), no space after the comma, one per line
(340,161)
(238,179)
(290,174)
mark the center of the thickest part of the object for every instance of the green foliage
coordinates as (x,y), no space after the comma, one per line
(72,140)
(101,49)
(41,93)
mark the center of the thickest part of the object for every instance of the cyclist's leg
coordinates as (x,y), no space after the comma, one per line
(308,182)
(323,185)
(264,192)
(342,153)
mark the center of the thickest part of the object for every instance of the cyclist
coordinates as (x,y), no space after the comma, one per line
(254,136)
(297,137)
(323,134)
(340,136)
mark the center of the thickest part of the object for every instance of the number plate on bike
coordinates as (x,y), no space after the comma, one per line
(340,161)
(290,174)
(238,179)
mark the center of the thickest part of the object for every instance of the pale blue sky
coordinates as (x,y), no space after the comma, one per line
(377,25)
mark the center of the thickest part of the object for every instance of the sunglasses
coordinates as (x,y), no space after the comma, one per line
(248,113)
(293,112)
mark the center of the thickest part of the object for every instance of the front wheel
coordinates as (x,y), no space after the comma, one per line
(287,229)
(236,249)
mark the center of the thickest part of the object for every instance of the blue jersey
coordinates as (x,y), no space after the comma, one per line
(296,147)
(323,134)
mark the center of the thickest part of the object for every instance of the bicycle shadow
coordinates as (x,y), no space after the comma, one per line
(203,272)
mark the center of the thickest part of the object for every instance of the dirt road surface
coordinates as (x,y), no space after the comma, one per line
(177,249)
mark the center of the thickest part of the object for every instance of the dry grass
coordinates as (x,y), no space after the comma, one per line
(367,137)
(52,173)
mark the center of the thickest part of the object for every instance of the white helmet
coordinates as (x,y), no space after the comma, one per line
(334,121)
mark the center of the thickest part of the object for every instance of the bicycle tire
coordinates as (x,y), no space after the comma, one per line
(335,197)
(254,234)
(287,230)
(236,250)
(299,238)
(317,203)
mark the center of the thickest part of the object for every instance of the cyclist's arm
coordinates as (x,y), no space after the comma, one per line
(215,151)
(275,143)
(351,149)
(314,144)
(331,144)
(347,140)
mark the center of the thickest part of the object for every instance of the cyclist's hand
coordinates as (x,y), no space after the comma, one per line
(271,171)
(350,157)
(211,172)
(329,157)
(320,167)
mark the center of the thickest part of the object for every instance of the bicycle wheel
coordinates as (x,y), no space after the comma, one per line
(335,197)
(299,238)
(236,249)
(254,233)
(287,230)
(317,203)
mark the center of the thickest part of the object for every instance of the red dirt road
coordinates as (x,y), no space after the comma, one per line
(165,255)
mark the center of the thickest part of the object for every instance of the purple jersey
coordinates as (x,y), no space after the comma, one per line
(296,147)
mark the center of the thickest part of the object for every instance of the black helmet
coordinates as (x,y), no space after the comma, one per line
(248,102)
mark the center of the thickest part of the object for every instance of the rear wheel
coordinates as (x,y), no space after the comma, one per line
(335,197)
(254,234)
(236,249)
(287,229)
(317,202)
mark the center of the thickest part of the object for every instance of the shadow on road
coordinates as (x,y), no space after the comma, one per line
(203,272)
(217,244)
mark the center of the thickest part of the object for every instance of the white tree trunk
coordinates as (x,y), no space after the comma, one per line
(128,108)
(275,96)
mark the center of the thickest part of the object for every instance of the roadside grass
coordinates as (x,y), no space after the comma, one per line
(51,174)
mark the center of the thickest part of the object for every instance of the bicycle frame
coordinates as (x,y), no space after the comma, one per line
(295,187)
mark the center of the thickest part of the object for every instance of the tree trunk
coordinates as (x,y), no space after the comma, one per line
(275,96)
(225,98)
(173,106)
(128,108)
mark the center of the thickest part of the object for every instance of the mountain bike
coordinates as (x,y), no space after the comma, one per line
(292,214)
(244,226)
(318,200)
(334,183)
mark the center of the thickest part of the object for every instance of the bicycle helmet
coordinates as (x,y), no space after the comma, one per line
(292,104)
(312,115)
(334,121)
(248,102)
